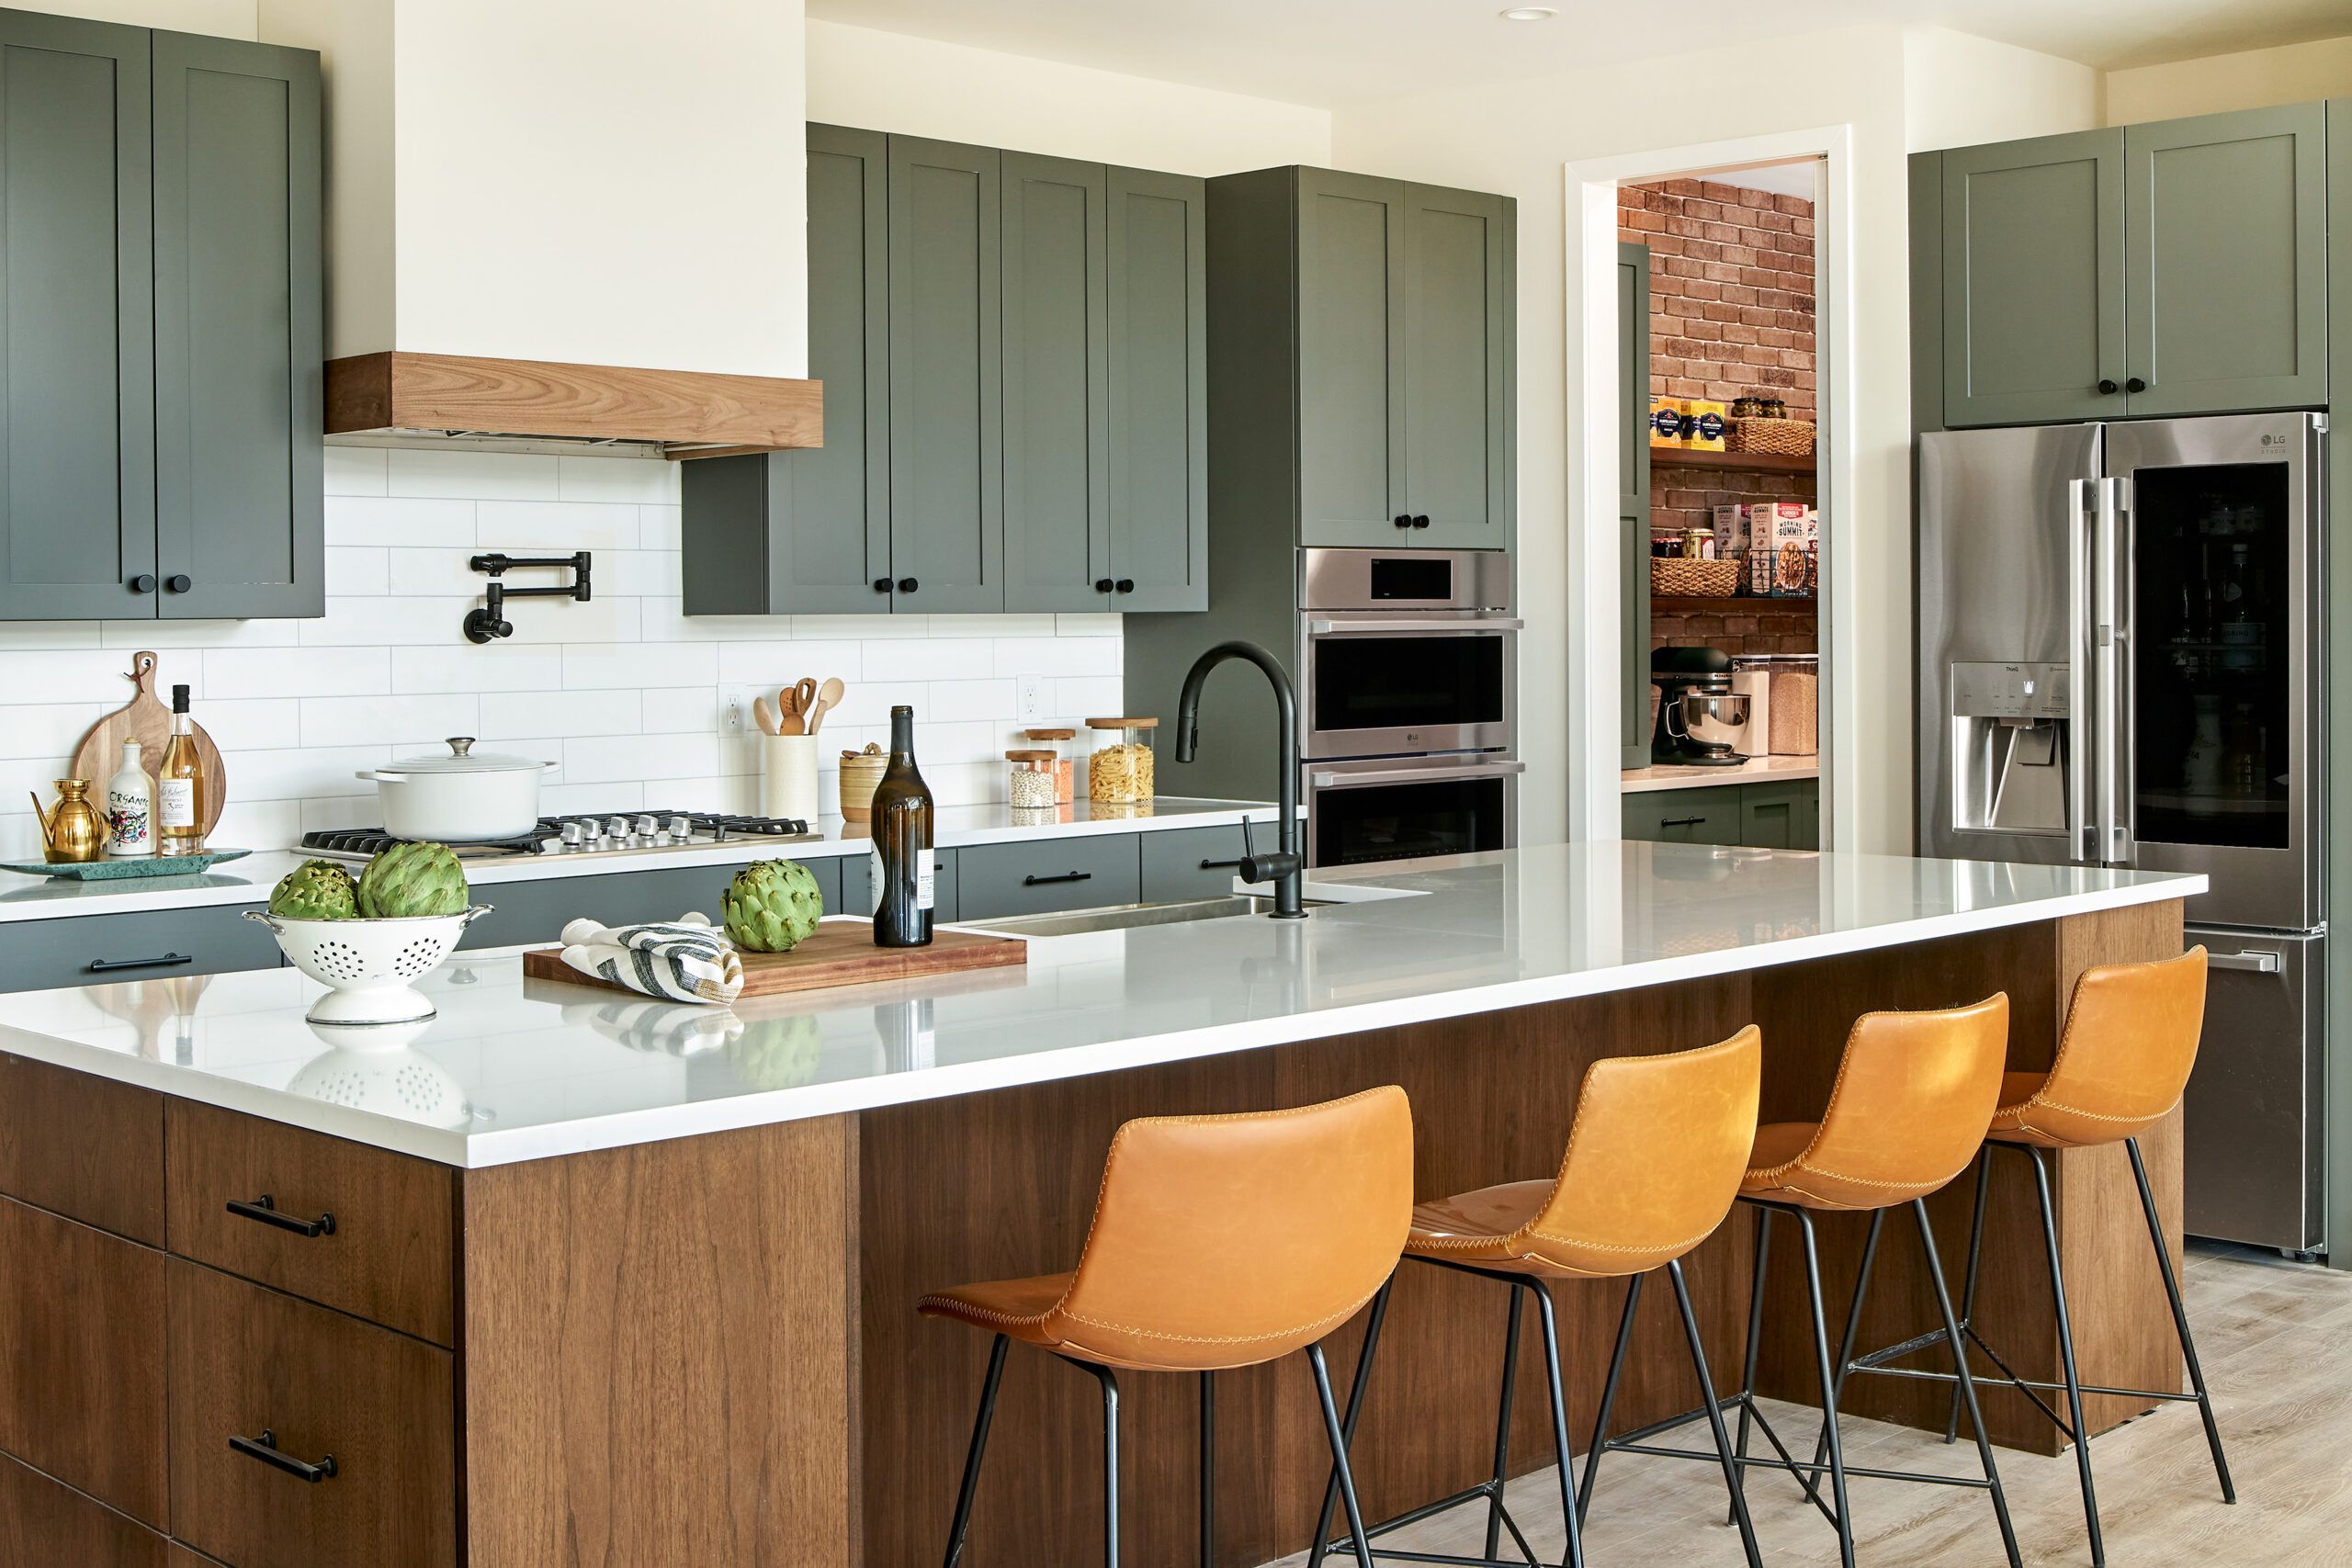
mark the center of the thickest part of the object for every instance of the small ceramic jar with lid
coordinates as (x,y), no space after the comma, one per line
(1062,743)
(1120,770)
(1032,779)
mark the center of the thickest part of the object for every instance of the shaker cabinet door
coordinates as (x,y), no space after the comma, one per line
(1352,374)
(1633,505)
(1158,407)
(2226,228)
(947,395)
(77,382)
(1457,311)
(2034,281)
(1056,470)
(238,523)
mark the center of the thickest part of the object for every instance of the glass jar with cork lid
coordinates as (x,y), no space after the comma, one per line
(1032,780)
(1119,772)
(1062,744)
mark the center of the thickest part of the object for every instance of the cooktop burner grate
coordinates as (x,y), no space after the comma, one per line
(581,833)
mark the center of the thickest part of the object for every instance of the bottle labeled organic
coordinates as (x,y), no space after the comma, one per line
(131,808)
(181,789)
(902,843)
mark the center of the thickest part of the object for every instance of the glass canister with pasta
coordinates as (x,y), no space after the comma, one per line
(1120,770)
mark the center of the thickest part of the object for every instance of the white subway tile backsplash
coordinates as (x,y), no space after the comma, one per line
(627,692)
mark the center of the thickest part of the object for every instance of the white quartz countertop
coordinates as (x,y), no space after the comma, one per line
(1756,770)
(249,880)
(518,1070)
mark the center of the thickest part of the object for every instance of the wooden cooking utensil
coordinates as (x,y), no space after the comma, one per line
(829,697)
(769,723)
(148,721)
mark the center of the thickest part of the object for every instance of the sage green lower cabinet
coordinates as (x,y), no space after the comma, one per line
(1773,816)
(2225,223)
(93,950)
(1181,863)
(1043,875)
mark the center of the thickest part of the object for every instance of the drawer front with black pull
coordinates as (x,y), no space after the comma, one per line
(1040,878)
(366,1231)
(1708,816)
(1196,862)
(304,1439)
(93,950)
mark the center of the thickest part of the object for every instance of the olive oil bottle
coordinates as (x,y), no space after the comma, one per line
(902,843)
(181,790)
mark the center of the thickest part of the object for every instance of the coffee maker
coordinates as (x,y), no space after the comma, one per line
(1701,720)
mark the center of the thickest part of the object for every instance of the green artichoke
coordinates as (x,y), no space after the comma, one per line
(315,890)
(413,879)
(772,906)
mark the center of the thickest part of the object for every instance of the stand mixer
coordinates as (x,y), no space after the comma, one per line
(1701,720)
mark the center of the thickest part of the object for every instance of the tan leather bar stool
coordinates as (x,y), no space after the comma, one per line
(1655,1156)
(1905,1117)
(1217,1242)
(2123,1061)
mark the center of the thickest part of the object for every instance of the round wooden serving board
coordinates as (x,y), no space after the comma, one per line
(148,721)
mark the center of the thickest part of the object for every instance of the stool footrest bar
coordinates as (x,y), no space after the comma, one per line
(1852,1471)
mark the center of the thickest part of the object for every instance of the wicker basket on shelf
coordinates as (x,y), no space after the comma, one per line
(1682,577)
(1781,437)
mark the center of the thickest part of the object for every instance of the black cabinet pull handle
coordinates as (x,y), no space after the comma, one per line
(881,585)
(179,583)
(1420,521)
(1126,585)
(1103,585)
(1234,864)
(906,585)
(1683,822)
(1404,520)
(2107,386)
(264,1209)
(168,960)
(264,1448)
(2135,385)
(144,583)
(1064,876)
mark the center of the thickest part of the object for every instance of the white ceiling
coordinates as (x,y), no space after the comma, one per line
(1336,52)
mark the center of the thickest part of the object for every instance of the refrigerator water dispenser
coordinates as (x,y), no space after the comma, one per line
(2011,734)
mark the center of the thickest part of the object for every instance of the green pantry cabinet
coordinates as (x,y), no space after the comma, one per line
(162,361)
(2171,268)
(1769,815)
(1013,349)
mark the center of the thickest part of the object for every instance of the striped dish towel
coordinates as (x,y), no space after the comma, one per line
(685,960)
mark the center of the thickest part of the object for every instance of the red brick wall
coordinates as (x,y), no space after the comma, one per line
(1742,625)
(1731,289)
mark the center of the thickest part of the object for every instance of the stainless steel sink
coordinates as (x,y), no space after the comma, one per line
(1126,917)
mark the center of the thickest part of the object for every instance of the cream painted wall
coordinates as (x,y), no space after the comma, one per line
(885,81)
(2293,73)
(354,40)
(1961,90)
(222,19)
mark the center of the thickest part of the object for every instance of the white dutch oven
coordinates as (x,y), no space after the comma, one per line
(465,796)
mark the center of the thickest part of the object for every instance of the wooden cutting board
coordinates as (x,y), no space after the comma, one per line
(148,721)
(840,953)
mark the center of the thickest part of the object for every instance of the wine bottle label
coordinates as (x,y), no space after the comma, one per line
(873,880)
(129,831)
(924,879)
(175,805)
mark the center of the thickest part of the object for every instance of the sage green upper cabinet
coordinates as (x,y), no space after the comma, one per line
(946,408)
(2034,281)
(1158,407)
(1459,342)
(78,492)
(240,529)
(1633,504)
(160,365)
(2226,227)
(1351,237)
(1057,434)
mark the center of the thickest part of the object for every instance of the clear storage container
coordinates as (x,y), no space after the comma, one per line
(1063,744)
(1120,770)
(1033,779)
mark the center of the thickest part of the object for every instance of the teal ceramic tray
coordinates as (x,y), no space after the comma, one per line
(114,870)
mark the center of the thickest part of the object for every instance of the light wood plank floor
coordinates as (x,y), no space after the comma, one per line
(2276,1343)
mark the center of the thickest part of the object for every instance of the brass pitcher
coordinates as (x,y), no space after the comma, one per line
(72,831)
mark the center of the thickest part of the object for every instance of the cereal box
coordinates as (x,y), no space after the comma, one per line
(1669,422)
(1703,424)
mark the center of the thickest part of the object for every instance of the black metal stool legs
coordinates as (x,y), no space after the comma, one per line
(1355,1412)
(1608,1396)
(1754,1341)
(1968,1287)
(1846,1341)
(2180,1320)
(1559,1424)
(1110,1382)
(979,1446)
(1967,1382)
(1829,1382)
(1502,1428)
(1208,1470)
(1338,1437)
(1714,1418)
(2076,1426)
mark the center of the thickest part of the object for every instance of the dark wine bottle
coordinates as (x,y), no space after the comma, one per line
(902,843)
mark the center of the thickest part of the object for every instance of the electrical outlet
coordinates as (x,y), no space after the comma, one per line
(1029,695)
(734,712)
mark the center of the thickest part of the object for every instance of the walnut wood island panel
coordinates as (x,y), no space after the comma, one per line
(699,1346)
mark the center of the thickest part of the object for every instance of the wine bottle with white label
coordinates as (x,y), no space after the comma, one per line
(902,843)
(181,790)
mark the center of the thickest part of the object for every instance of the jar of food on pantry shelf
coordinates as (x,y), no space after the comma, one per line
(1120,770)
(1063,744)
(1032,779)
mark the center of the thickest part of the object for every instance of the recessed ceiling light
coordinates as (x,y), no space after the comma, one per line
(1529,13)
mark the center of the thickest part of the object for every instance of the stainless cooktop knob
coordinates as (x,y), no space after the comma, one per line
(646,827)
(681,828)
(574,835)
(617,828)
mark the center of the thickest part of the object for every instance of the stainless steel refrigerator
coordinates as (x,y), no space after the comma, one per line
(2122,643)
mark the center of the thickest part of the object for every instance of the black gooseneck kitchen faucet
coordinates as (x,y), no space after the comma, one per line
(1286,867)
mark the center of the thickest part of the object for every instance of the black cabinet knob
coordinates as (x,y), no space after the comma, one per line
(178,583)
(1404,520)
(2106,386)
(144,583)
(1103,585)
(906,585)
(1420,522)
(2135,385)
(1126,585)
(881,585)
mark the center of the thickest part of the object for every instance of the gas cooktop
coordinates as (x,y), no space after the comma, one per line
(633,832)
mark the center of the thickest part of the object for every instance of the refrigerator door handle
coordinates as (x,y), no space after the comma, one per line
(2083,695)
(2252,961)
(2106,685)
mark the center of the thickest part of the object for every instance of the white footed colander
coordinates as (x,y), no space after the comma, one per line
(369,967)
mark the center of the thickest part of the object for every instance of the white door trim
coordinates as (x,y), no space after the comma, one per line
(1593,567)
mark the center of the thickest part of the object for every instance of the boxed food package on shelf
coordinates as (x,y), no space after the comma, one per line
(1703,424)
(1790,553)
(1668,421)
(1732,536)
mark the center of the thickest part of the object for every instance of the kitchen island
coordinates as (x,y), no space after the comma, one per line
(641,1269)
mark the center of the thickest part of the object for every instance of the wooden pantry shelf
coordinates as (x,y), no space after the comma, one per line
(1736,462)
(1730,605)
